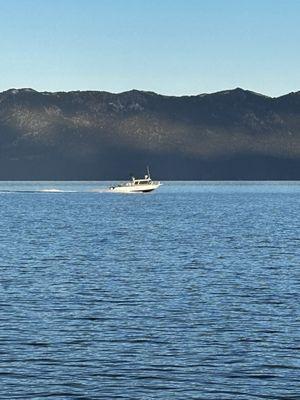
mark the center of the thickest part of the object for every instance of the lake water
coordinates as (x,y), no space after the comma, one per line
(190,292)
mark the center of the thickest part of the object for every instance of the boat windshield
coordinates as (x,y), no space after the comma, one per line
(142,182)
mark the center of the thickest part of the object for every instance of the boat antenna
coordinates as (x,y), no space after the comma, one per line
(148,172)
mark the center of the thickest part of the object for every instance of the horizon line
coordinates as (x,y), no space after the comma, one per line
(225,91)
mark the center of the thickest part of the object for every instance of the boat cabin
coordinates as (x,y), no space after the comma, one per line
(145,181)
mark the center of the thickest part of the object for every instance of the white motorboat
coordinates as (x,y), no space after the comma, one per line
(143,185)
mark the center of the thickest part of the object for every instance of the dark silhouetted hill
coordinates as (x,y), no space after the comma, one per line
(234,134)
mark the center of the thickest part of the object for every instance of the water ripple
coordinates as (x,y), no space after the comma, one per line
(188,293)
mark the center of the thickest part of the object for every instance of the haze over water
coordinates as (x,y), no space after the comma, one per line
(190,292)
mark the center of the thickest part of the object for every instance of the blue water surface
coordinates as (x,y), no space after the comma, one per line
(190,292)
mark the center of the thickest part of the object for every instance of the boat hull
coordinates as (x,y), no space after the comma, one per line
(134,189)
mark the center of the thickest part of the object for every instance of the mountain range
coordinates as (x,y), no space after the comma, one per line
(92,135)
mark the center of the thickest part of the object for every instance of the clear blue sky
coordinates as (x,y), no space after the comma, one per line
(167,46)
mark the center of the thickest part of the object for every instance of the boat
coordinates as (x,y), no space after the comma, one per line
(140,185)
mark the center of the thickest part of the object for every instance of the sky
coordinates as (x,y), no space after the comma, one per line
(171,47)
